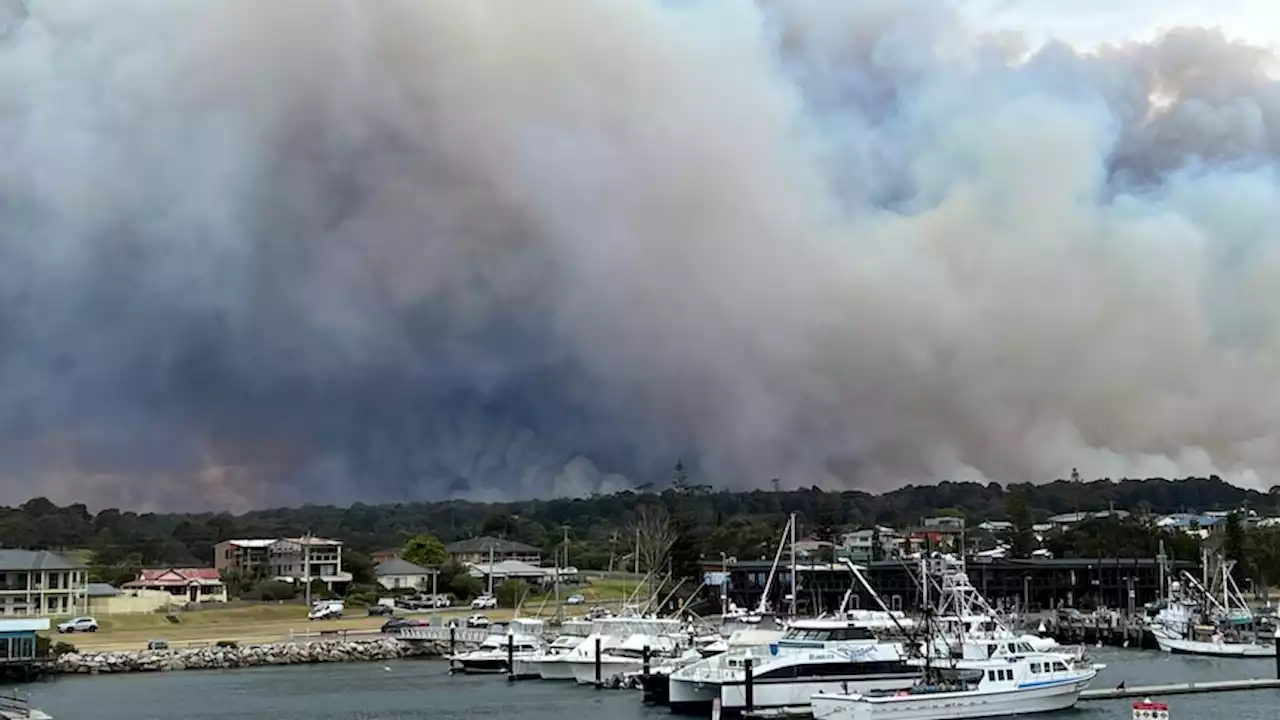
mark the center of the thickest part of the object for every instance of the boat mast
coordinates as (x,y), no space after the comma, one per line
(794,591)
(773,570)
(1160,560)
(559,607)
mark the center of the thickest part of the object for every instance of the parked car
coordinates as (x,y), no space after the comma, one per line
(575,600)
(80,624)
(326,610)
(484,602)
(442,601)
(379,610)
(478,621)
(396,624)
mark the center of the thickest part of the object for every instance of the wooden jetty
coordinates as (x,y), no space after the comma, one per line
(1191,688)
(804,712)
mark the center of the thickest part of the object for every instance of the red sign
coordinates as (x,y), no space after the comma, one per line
(1151,706)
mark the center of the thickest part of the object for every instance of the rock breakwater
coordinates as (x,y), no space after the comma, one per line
(217,658)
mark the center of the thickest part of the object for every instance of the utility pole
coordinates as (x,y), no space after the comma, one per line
(491,570)
(306,567)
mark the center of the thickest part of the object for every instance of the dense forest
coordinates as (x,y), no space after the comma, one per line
(601,528)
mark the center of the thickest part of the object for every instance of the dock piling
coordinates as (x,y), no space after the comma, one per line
(599,680)
(748,687)
(644,657)
(511,657)
(453,639)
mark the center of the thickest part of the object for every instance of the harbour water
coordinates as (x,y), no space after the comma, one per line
(409,690)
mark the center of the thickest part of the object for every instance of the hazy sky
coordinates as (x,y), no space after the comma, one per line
(335,250)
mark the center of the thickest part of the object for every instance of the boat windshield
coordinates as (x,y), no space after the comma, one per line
(834,634)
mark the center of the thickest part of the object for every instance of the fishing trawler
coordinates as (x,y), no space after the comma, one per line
(857,649)
(1209,617)
(1022,685)
(990,675)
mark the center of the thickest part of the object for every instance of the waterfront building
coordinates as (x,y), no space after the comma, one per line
(38,583)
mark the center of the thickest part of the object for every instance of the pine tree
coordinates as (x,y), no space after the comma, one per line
(685,556)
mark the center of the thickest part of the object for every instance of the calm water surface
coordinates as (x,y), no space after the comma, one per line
(412,689)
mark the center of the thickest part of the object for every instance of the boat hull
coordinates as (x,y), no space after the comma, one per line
(525,669)
(480,663)
(554,669)
(1178,646)
(950,706)
(585,672)
(797,693)
(691,697)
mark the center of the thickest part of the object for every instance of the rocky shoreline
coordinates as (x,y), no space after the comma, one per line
(218,658)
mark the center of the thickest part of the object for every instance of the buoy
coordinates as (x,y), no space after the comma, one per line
(1147,710)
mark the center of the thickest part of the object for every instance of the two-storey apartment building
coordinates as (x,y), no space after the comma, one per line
(289,559)
(483,550)
(41,583)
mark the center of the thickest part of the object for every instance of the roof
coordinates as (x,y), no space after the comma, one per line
(1180,520)
(253,543)
(1075,517)
(510,568)
(175,577)
(101,590)
(485,544)
(36,560)
(398,566)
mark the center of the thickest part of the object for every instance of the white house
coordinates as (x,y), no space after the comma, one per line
(397,573)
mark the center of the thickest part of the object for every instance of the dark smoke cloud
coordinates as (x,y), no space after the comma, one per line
(334,250)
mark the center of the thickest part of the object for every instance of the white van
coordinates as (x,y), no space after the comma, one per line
(326,610)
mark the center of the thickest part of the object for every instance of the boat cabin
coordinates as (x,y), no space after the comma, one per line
(817,633)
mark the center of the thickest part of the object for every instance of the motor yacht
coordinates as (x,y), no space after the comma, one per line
(548,664)
(520,640)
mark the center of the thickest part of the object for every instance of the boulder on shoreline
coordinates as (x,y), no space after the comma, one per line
(217,658)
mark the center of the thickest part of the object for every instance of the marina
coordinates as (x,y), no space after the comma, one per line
(424,690)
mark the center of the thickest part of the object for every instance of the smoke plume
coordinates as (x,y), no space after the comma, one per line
(337,250)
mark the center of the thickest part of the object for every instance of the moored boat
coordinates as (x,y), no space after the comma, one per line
(1023,685)
(521,640)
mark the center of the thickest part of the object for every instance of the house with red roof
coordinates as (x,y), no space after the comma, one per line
(195,585)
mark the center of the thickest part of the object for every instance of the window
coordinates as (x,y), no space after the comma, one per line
(1059,667)
(1035,668)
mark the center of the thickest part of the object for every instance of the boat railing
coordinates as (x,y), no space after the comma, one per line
(712,673)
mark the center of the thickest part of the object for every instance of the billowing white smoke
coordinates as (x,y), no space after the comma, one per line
(490,248)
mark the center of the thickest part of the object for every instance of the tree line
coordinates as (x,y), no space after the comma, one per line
(686,522)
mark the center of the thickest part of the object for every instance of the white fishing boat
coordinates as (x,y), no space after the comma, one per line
(1209,618)
(547,664)
(613,633)
(1024,685)
(520,640)
(964,615)
(622,655)
(812,656)
(1215,645)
